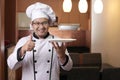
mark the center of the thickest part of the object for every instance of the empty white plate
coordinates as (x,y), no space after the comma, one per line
(61,40)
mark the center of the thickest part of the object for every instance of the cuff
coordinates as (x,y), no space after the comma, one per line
(67,58)
(19,58)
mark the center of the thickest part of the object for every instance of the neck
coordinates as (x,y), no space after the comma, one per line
(41,37)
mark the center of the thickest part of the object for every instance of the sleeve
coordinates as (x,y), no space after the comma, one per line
(19,58)
(12,60)
(68,63)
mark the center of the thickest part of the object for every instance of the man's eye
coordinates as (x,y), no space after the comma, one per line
(38,23)
(45,22)
(41,23)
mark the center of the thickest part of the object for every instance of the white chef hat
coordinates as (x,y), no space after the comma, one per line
(40,10)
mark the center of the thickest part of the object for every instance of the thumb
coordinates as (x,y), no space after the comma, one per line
(31,37)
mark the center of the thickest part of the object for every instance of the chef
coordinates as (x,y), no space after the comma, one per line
(40,58)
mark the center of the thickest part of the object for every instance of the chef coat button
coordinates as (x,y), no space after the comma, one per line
(35,61)
(34,50)
(49,50)
(35,72)
(48,61)
(34,40)
(47,71)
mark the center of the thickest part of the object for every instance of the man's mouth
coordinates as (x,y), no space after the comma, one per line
(41,30)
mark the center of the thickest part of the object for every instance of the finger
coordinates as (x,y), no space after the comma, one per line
(63,45)
(30,49)
(57,45)
(54,45)
(31,37)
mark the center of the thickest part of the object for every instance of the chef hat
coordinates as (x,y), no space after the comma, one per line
(40,10)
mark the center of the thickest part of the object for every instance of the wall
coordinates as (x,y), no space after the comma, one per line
(79,35)
(105,32)
(73,17)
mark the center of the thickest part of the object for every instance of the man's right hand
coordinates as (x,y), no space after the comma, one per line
(28,46)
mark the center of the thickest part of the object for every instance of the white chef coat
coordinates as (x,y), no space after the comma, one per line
(42,60)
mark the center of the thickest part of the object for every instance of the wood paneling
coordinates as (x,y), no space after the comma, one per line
(10,21)
(80,35)
(2,61)
(73,17)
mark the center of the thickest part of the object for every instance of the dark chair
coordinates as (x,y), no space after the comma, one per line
(86,66)
(86,59)
(110,73)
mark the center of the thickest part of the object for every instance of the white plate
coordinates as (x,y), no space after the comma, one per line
(61,40)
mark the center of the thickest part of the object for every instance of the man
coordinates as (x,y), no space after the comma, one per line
(39,58)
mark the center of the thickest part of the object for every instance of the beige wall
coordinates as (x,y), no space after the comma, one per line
(106,32)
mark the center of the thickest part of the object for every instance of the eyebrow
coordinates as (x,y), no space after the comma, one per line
(39,21)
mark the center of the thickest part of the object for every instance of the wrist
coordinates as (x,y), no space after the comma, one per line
(62,57)
(63,60)
(22,52)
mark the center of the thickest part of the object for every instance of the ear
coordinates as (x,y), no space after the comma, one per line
(31,27)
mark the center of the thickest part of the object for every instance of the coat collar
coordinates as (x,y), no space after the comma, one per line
(35,36)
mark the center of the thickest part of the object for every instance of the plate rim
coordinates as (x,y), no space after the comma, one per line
(62,40)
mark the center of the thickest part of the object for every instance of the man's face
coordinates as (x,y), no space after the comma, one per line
(40,27)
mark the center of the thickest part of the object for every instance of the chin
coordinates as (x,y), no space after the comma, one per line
(42,34)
